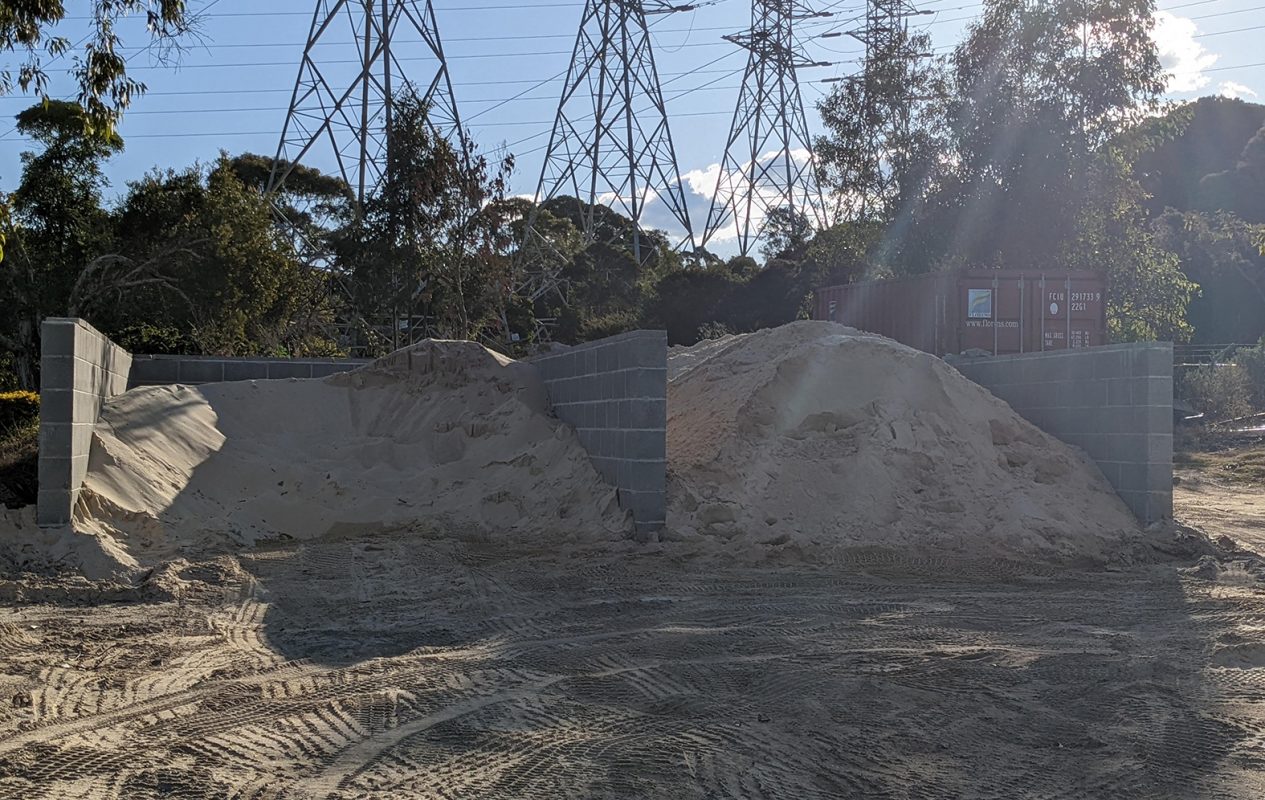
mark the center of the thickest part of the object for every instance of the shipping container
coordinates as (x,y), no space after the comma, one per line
(995,311)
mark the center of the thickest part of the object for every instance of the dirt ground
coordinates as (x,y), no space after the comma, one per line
(399,666)
(1223,490)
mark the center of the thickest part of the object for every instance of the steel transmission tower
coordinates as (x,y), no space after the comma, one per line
(887,99)
(611,144)
(341,114)
(768,161)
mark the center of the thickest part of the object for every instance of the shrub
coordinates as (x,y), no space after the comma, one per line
(1220,391)
(1252,360)
(18,410)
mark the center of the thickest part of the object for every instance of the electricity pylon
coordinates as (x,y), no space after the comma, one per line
(611,144)
(887,82)
(339,117)
(769,163)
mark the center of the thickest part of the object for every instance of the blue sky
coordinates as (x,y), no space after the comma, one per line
(232,92)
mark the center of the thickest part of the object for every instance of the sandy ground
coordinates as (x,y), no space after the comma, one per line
(390,666)
(1231,509)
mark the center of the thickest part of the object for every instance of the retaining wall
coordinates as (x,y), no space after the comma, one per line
(79,370)
(1114,402)
(614,392)
(197,370)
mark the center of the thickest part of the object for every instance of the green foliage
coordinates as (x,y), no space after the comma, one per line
(881,125)
(18,409)
(1218,251)
(1252,361)
(430,254)
(105,88)
(1220,391)
(1242,188)
(56,226)
(1177,150)
(1028,170)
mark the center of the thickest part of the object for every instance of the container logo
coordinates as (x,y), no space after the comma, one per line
(979,303)
(1054,309)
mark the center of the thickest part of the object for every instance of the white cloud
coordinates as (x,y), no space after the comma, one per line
(1235,91)
(703,184)
(1184,58)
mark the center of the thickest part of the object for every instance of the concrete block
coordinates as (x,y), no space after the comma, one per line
(606,360)
(644,445)
(200,371)
(58,337)
(59,473)
(286,370)
(1159,505)
(57,372)
(54,507)
(1153,391)
(1159,448)
(1154,419)
(1110,471)
(608,468)
(643,414)
(643,476)
(62,439)
(1155,360)
(68,405)
(642,353)
(590,361)
(245,371)
(1120,392)
(155,371)
(646,382)
(1109,364)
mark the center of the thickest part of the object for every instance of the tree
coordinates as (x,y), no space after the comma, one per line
(1219,252)
(1241,189)
(57,225)
(1037,171)
(1182,147)
(880,124)
(430,254)
(105,88)
(231,283)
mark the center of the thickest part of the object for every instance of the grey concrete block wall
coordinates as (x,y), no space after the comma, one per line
(197,370)
(79,370)
(614,392)
(1114,402)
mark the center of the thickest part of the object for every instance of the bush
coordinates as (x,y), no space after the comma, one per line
(1252,361)
(19,448)
(18,410)
(1220,391)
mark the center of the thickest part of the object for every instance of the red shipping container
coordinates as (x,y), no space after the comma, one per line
(996,311)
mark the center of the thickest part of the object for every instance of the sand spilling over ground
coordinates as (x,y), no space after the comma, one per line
(446,435)
(816,434)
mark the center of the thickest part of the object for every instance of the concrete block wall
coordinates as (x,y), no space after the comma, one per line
(197,370)
(1114,402)
(614,392)
(79,370)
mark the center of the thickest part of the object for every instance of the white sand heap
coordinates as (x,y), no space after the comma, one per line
(445,435)
(817,434)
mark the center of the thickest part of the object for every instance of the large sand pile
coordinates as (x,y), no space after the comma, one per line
(816,434)
(447,435)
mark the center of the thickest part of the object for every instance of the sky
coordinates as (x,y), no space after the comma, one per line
(507,60)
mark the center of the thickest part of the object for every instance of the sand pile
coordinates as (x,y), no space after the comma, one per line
(817,435)
(446,435)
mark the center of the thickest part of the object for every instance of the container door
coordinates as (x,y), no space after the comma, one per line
(1072,313)
(992,313)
